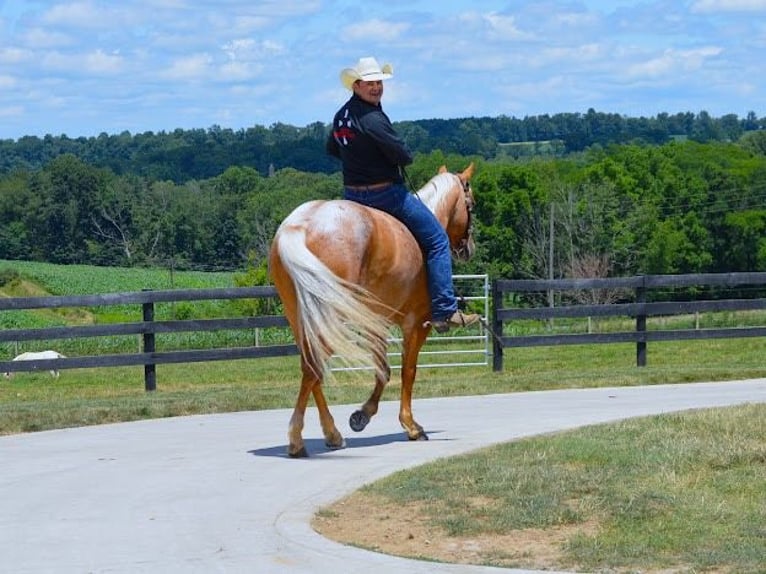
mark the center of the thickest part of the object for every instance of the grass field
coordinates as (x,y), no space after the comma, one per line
(34,401)
(676,493)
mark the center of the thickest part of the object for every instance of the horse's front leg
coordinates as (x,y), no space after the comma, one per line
(412,344)
(361,418)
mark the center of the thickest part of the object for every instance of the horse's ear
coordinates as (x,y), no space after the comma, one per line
(443,169)
(467,173)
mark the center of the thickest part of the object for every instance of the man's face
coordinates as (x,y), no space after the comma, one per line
(370,92)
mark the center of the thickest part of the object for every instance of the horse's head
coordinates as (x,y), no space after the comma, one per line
(450,198)
(459,224)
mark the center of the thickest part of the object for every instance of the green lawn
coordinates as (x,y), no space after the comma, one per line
(681,492)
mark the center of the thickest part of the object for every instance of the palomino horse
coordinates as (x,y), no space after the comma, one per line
(345,273)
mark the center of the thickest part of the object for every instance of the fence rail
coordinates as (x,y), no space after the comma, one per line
(149,357)
(148,329)
(440,350)
(640,309)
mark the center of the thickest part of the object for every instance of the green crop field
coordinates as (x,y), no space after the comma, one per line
(89,280)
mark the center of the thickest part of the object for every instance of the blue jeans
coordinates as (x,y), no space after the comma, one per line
(430,235)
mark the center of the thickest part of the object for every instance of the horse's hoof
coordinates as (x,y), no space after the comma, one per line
(301,453)
(419,436)
(340,446)
(358,421)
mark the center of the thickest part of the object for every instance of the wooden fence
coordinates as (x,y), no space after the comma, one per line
(148,328)
(637,291)
(640,307)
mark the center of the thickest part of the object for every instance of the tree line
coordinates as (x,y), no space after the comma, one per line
(200,154)
(620,209)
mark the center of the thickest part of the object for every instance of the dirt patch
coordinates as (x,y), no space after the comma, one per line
(367,521)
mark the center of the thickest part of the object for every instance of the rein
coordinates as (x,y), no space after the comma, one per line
(462,249)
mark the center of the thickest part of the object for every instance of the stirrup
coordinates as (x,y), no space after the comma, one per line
(457,319)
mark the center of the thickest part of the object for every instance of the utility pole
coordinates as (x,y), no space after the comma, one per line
(550,263)
(550,255)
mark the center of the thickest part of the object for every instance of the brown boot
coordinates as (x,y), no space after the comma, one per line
(458,319)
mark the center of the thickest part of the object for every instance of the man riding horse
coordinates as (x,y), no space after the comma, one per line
(373,158)
(346,270)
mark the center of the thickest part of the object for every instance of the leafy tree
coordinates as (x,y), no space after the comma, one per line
(745,234)
(257,273)
(754,142)
(507,199)
(72,189)
(274,199)
(19,218)
(674,247)
(112,221)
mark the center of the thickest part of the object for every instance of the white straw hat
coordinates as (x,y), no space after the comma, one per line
(367,70)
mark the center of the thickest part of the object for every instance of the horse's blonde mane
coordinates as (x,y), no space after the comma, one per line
(434,193)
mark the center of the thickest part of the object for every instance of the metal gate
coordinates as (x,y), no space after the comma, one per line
(462,348)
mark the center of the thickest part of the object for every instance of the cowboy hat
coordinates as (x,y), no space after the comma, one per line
(367,70)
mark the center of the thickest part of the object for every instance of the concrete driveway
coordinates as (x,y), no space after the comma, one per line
(216,493)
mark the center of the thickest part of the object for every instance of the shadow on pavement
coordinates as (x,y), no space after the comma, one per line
(316,446)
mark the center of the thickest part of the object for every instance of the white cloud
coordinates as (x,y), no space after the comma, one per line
(194,67)
(11,111)
(95,62)
(378,30)
(7,82)
(570,54)
(94,16)
(236,48)
(729,6)
(14,56)
(574,19)
(237,71)
(673,61)
(505,27)
(42,38)
(249,49)
(100,63)
(71,14)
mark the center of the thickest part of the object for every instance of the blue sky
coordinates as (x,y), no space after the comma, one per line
(87,67)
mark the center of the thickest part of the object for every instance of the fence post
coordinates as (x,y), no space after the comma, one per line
(150,370)
(641,325)
(497,329)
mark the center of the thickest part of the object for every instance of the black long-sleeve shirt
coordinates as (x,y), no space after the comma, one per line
(363,138)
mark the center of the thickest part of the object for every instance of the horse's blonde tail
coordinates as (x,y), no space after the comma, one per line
(334,316)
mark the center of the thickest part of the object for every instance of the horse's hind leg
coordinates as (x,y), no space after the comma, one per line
(332,437)
(311,383)
(296,447)
(361,418)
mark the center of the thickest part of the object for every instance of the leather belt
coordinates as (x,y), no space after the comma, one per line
(371,187)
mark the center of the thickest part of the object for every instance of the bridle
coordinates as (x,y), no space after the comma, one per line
(463,250)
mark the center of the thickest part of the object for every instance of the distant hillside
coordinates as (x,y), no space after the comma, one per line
(198,154)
